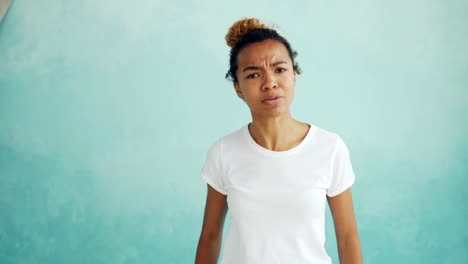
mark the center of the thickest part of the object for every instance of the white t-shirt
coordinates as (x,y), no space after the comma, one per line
(276,199)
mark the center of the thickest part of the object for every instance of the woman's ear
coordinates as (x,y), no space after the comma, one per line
(238,90)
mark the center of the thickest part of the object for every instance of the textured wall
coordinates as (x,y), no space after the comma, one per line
(107,109)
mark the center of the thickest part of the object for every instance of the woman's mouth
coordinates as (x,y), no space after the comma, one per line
(272,101)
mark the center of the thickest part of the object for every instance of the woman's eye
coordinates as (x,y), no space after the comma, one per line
(253,75)
(281,70)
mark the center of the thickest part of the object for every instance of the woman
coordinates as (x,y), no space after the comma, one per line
(275,172)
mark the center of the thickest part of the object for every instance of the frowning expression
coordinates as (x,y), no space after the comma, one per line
(265,78)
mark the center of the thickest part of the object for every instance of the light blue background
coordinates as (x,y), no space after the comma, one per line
(107,109)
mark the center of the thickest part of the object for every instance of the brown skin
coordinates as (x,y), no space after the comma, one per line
(209,244)
(265,69)
(346,231)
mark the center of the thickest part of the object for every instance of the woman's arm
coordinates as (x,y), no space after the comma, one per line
(211,235)
(349,248)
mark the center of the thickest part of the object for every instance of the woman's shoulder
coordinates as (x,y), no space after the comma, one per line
(324,134)
(231,137)
(330,138)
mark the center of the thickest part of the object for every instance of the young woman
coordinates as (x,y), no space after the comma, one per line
(275,172)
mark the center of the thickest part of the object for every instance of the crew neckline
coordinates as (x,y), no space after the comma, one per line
(281,153)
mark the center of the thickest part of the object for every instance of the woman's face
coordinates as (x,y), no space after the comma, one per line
(265,72)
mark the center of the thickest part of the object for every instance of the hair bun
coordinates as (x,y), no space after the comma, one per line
(240,27)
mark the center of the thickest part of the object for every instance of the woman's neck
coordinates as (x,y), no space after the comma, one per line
(278,134)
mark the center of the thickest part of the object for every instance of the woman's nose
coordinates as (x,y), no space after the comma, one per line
(269,81)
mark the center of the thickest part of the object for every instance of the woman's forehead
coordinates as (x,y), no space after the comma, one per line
(265,51)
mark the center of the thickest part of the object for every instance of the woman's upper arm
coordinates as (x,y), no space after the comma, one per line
(342,209)
(215,213)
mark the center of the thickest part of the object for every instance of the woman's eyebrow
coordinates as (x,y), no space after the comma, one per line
(256,67)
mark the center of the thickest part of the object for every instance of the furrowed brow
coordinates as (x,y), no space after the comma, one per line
(256,67)
(278,62)
(250,68)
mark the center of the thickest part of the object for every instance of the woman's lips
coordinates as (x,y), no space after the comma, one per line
(272,101)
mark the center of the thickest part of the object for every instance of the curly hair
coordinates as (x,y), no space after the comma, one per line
(250,30)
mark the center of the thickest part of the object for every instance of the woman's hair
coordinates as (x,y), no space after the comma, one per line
(247,31)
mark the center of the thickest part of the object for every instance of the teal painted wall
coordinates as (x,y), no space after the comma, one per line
(107,109)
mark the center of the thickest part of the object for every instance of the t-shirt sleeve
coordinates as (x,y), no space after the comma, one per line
(342,173)
(212,172)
